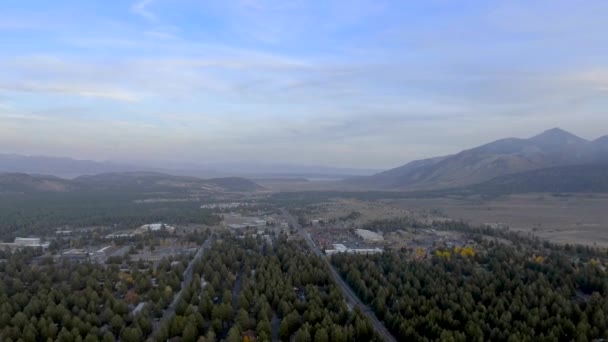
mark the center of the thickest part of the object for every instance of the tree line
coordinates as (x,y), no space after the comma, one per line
(500,294)
(41,214)
(252,288)
(42,299)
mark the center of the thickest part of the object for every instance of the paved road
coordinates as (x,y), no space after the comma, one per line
(187,279)
(351,297)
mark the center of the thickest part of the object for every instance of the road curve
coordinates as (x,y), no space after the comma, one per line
(351,297)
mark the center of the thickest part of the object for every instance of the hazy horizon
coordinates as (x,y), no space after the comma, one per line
(252,166)
(363,84)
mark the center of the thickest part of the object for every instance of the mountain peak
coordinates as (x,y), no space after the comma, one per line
(557,136)
(602,139)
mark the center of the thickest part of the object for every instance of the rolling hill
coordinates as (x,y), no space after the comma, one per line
(551,148)
(24,183)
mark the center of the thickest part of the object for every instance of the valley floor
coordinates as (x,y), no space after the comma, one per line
(573,218)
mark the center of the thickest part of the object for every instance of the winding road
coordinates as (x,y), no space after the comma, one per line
(351,297)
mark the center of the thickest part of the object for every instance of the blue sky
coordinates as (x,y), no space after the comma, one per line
(345,83)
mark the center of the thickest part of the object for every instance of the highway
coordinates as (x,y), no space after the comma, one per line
(351,297)
(187,279)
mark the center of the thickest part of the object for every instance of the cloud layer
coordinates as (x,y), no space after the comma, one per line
(344,83)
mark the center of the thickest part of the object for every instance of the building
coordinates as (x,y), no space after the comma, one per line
(119,236)
(258,223)
(368,235)
(155,227)
(232,205)
(75,254)
(101,254)
(340,248)
(27,241)
(30,242)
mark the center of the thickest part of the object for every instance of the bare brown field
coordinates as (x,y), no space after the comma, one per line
(577,218)
(368,210)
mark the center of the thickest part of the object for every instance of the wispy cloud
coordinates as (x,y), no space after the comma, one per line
(358,82)
(24,117)
(160,34)
(84,90)
(595,79)
(141,8)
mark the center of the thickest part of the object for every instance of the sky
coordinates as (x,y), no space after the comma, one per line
(347,83)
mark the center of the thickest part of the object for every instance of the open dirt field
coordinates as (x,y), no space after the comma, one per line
(579,218)
(368,210)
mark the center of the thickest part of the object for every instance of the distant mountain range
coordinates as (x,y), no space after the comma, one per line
(59,166)
(552,148)
(552,160)
(127,181)
(71,168)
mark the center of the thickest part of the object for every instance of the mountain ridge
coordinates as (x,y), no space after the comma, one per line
(553,147)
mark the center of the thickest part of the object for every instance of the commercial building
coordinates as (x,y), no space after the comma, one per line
(30,242)
(75,254)
(368,235)
(155,227)
(340,248)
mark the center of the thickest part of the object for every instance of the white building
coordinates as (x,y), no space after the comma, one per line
(27,241)
(30,242)
(232,205)
(155,227)
(368,235)
(340,248)
(75,254)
